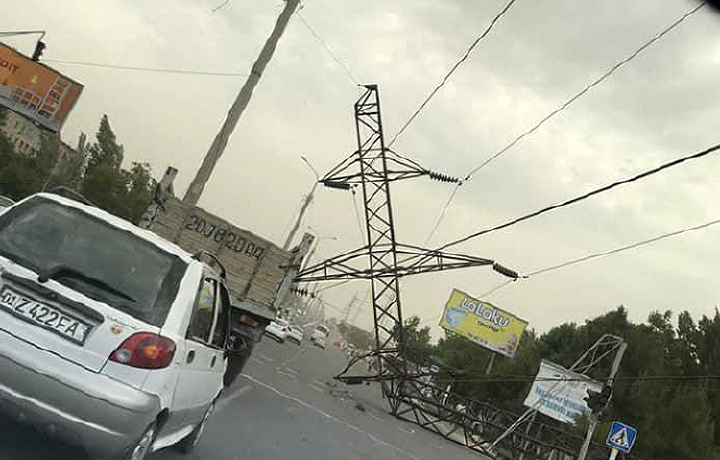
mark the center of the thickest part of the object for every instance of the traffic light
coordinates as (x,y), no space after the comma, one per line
(39,48)
(598,401)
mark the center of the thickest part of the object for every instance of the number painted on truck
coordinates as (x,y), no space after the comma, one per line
(223,236)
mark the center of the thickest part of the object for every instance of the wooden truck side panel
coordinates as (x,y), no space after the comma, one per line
(255,267)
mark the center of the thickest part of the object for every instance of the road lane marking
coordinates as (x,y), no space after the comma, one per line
(375,417)
(331,417)
(406,430)
(265,357)
(289,369)
(257,361)
(223,402)
(316,388)
(287,374)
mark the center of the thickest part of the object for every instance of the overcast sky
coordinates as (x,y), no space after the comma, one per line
(663,105)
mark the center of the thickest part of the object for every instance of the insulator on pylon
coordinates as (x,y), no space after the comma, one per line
(443,178)
(338,185)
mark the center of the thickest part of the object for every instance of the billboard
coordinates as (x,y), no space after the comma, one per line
(483,323)
(560,393)
(35,90)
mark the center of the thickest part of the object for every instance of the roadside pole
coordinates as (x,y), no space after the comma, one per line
(298,221)
(490,364)
(610,381)
(613,454)
(241,102)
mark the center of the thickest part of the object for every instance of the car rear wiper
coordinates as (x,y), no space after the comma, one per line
(60,271)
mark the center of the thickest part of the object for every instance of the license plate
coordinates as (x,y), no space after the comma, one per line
(45,316)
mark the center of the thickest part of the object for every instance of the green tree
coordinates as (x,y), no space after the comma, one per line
(125,193)
(416,341)
(20,174)
(361,338)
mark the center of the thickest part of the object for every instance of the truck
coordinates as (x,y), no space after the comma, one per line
(259,274)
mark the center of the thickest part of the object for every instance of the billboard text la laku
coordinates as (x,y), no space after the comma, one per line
(483,323)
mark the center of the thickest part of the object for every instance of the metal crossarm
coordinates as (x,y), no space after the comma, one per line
(412,260)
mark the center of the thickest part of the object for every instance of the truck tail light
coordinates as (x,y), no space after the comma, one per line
(145,350)
(247,319)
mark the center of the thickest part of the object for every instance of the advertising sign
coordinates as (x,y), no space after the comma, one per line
(560,393)
(35,90)
(483,323)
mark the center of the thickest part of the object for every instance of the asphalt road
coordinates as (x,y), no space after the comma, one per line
(286,406)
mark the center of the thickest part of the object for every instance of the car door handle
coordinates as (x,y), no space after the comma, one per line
(213,361)
(191,356)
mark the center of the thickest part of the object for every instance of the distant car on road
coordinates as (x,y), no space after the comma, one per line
(111,337)
(319,336)
(5,202)
(278,330)
(295,334)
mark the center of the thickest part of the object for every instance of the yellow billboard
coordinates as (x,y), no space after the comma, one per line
(37,91)
(483,323)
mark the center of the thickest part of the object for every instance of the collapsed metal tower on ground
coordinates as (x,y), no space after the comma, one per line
(383,261)
(373,167)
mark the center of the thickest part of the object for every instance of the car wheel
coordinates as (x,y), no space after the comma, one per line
(143,446)
(188,444)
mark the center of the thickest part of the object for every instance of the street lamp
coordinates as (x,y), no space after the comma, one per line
(303,208)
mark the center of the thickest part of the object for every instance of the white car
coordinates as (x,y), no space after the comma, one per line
(295,334)
(319,336)
(110,337)
(278,330)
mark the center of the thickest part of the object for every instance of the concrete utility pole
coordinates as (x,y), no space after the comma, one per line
(303,208)
(241,102)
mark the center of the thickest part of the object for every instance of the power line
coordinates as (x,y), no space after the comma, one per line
(452,70)
(357,215)
(586,89)
(220,6)
(623,248)
(148,69)
(332,54)
(564,106)
(483,377)
(442,214)
(496,288)
(587,195)
(604,253)
(334,285)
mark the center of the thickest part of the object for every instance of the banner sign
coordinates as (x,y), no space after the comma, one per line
(560,393)
(35,90)
(483,323)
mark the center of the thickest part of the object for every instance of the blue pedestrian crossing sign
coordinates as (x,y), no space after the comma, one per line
(621,437)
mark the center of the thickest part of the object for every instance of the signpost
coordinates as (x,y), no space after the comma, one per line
(621,438)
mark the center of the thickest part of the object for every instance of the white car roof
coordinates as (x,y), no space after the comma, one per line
(118,222)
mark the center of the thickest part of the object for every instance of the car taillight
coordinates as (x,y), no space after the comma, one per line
(247,319)
(145,350)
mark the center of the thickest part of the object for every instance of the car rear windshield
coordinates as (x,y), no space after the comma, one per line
(93,257)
